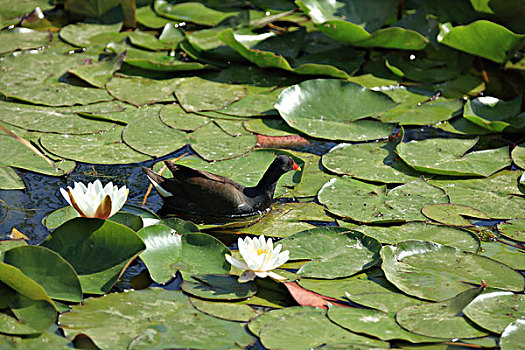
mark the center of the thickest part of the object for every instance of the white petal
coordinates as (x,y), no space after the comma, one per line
(276,277)
(66,195)
(237,263)
(149,222)
(246,276)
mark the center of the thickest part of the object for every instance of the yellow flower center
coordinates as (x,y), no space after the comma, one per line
(261,251)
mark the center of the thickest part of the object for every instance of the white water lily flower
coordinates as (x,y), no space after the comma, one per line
(259,257)
(95,201)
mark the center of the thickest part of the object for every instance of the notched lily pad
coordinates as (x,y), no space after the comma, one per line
(452,214)
(513,229)
(218,287)
(494,114)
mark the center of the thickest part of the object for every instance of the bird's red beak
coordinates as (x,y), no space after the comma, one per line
(295,166)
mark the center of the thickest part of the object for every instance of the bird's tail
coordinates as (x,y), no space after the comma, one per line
(156,180)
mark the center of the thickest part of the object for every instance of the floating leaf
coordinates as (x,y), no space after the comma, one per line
(285,219)
(494,114)
(9,179)
(307,330)
(313,178)
(333,251)
(450,157)
(364,202)
(497,196)
(481,38)
(373,322)
(48,269)
(97,249)
(142,91)
(257,102)
(494,311)
(168,40)
(369,161)
(225,311)
(90,35)
(191,12)
(446,235)
(102,148)
(512,337)
(513,229)
(332,109)
(504,253)
(452,214)
(22,39)
(442,319)
(43,83)
(218,287)
(176,324)
(269,127)
(433,271)
(9,9)
(196,94)
(98,73)
(15,154)
(30,310)
(149,18)
(212,143)
(518,155)
(163,248)
(175,117)
(149,134)
(325,19)
(416,109)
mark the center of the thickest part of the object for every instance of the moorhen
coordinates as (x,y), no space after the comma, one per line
(200,193)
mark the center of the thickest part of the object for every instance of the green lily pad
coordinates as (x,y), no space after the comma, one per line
(194,12)
(498,196)
(369,161)
(307,330)
(149,18)
(247,46)
(494,311)
(22,39)
(218,287)
(225,311)
(512,337)
(98,73)
(58,119)
(441,319)
(494,114)
(9,179)
(89,35)
(452,214)
(518,155)
(365,202)
(416,109)
(481,38)
(269,127)
(102,148)
(15,154)
(261,320)
(446,235)
(175,117)
(21,8)
(373,322)
(97,249)
(169,39)
(504,253)
(142,91)
(513,229)
(148,135)
(313,176)
(50,338)
(48,269)
(433,271)
(333,251)
(258,101)
(195,94)
(449,157)
(462,126)
(163,248)
(285,219)
(332,109)
(246,170)
(30,310)
(324,16)
(170,322)
(42,84)
(212,143)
